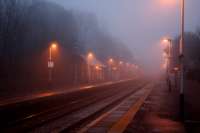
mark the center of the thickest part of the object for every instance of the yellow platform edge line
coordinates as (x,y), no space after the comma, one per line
(121,125)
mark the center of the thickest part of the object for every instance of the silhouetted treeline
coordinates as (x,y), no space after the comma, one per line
(102,44)
(192,54)
(28,27)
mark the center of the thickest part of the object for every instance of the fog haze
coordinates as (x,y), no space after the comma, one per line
(140,24)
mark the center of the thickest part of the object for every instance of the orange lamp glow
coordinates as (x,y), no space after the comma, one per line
(90,55)
(176,68)
(110,60)
(168,2)
(97,68)
(165,40)
(54,45)
(114,68)
(121,62)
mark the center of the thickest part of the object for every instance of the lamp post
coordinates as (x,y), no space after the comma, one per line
(110,64)
(120,69)
(176,69)
(169,60)
(50,62)
(98,73)
(181,57)
(90,56)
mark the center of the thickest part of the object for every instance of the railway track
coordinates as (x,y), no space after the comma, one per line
(60,118)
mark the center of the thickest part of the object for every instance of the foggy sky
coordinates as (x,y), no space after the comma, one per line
(140,24)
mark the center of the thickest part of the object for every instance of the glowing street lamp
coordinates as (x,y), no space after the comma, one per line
(50,62)
(110,61)
(168,41)
(165,40)
(176,69)
(168,2)
(110,64)
(120,68)
(52,46)
(97,67)
(181,55)
(121,63)
(114,68)
(167,56)
(98,74)
(90,57)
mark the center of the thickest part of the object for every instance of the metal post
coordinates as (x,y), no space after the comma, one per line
(88,69)
(182,61)
(175,79)
(75,74)
(111,73)
(170,64)
(167,58)
(50,60)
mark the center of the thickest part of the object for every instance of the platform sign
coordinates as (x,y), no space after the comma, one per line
(50,64)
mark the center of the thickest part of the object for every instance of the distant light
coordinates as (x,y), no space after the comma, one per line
(165,40)
(90,55)
(168,2)
(111,60)
(121,62)
(176,68)
(97,67)
(115,68)
(54,45)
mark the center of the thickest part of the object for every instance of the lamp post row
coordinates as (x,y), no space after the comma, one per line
(181,58)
